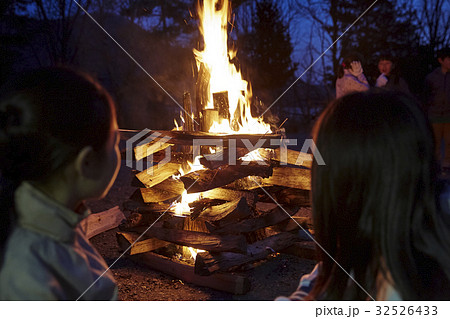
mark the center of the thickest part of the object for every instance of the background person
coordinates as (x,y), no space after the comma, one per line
(390,78)
(58,147)
(437,85)
(350,76)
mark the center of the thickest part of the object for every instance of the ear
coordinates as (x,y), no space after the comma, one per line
(86,163)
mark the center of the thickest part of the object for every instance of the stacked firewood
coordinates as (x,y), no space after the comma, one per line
(245,213)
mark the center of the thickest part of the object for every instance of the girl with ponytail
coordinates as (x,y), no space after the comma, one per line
(58,147)
(350,77)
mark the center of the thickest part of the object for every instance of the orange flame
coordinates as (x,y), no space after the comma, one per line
(224,76)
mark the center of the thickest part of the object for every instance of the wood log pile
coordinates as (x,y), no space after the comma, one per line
(245,213)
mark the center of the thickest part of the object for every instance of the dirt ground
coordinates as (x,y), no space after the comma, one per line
(275,277)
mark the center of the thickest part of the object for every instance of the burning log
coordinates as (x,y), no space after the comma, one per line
(170,189)
(202,88)
(198,240)
(209,117)
(273,217)
(126,239)
(204,180)
(208,263)
(290,157)
(231,211)
(158,173)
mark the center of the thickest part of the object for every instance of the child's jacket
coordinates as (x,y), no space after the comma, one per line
(48,257)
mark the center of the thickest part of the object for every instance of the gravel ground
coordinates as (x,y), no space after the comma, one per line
(277,276)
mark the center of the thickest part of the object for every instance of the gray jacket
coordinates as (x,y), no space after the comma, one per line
(48,256)
(438,94)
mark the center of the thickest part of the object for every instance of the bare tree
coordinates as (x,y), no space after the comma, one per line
(56,20)
(434,21)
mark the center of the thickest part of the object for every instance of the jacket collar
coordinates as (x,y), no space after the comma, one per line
(39,213)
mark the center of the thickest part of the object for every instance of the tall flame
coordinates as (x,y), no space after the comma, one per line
(224,76)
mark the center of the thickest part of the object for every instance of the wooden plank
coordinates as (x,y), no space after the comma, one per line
(208,263)
(303,249)
(290,177)
(169,189)
(230,195)
(145,150)
(287,156)
(158,173)
(125,239)
(205,180)
(230,211)
(198,240)
(98,223)
(273,217)
(232,283)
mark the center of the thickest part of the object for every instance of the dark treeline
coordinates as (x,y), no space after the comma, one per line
(276,42)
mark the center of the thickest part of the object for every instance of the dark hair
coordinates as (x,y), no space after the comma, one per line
(46,117)
(374,201)
(443,53)
(394,75)
(346,62)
